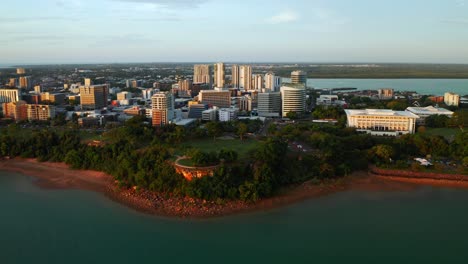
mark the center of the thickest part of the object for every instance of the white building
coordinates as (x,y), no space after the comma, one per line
(219,75)
(272,82)
(451,99)
(209,115)
(325,99)
(162,108)
(424,112)
(382,121)
(227,114)
(293,98)
(9,95)
(245,77)
(257,82)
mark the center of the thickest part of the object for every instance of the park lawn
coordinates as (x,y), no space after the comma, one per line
(242,147)
(186,162)
(448,133)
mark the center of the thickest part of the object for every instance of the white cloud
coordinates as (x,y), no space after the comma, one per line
(169,3)
(284,17)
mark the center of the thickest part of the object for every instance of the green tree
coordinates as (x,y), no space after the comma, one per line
(214,129)
(241,130)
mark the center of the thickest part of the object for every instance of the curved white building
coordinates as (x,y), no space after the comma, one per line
(293,98)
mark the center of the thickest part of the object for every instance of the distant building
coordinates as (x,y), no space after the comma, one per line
(272,82)
(37,89)
(53,98)
(293,98)
(330,100)
(9,95)
(436,99)
(221,99)
(202,74)
(148,93)
(451,99)
(209,115)
(385,94)
(124,96)
(382,121)
(25,82)
(245,103)
(13,82)
(16,110)
(20,71)
(135,111)
(88,82)
(269,104)
(163,108)
(197,87)
(235,73)
(196,110)
(185,88)
(257,82)
(40,112)
(219,75)
(227,114)
(245,77)
(299,77)
(424,112)
(94,96)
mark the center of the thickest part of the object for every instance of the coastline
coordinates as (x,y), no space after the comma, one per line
(59,176)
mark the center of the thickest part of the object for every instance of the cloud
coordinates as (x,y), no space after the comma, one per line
(284,17)
(460,21)
(169,3)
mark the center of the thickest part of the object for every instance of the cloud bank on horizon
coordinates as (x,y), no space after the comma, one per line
(69,31)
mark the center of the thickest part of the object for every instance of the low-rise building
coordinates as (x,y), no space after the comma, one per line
(227,114)
(424,112)
(209,115)
(382,121)
(451,99)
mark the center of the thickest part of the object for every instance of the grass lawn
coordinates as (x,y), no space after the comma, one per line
(448,133)
(186,162)
(242,147)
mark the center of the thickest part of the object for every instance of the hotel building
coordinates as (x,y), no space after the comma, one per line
(382,121)
(424,112)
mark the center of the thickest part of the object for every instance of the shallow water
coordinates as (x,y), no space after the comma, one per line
(427,225)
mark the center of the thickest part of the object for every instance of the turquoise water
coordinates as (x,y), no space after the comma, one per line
(422,86)
(427,225)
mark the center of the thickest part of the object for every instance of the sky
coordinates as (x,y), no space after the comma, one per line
(320,31)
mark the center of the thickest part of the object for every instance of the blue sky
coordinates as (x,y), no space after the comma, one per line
(88,31)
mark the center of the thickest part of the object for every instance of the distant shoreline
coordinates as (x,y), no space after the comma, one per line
(60,176)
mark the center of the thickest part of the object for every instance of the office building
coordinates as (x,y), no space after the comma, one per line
(221,99)
(148,93)
(9,95)
(382,121)
(219,75)
(235,82)
(293,98)
(299,77)
(20,71)
(245,77)
(25,82)
(17,111)
(40,112)
(202,74)
(385,94)
(37,89)
(227,114)
(451,99)
(209,115)
(163,108)
(88,82)
(196,110)
(424,112)
(94,96)
(272,82)
(53,98)
(269,104)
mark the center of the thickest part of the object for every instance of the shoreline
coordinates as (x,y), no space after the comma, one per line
(59,176)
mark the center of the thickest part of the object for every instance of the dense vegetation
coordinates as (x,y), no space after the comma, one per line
(137,154)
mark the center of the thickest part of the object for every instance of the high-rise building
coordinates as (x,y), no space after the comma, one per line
(40,112)
(25,82)
(20,71)
(9,95)
(88,82)
(148,93)
(53,98)
(162,108)
(185,88)
(257,82)
(299,77)
(202,74)
(235,76)
(272,82)
(94,96)
(219,75)
(16,110)
(451,99)
(293,98)
(269,104)
(221,99)
(245,77)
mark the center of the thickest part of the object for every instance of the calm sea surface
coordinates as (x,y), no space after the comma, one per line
(422,86)
(428,225)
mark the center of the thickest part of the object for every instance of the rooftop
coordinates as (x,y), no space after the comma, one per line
(429,110)
(379,112)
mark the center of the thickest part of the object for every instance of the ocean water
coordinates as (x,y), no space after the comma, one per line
(427,225)
(422,86)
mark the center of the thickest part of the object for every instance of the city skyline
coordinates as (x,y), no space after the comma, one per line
(84,31)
